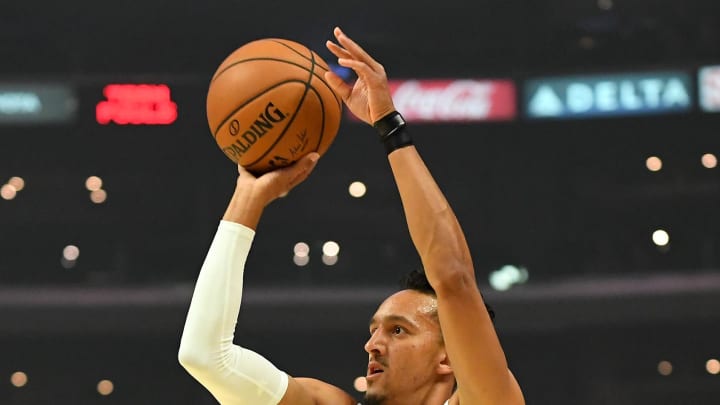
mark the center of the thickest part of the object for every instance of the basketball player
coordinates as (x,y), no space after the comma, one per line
(433,345)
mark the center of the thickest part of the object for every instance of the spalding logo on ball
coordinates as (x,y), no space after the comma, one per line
(269,104)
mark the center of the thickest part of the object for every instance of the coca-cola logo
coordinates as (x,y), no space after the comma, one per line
(454,100)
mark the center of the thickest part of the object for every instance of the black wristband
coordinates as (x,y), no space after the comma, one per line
(398,139)
(393,134)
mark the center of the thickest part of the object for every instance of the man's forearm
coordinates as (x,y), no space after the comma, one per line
(244,208)
(433,226)
(231,373)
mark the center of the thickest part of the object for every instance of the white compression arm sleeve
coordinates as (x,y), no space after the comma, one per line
(234,375)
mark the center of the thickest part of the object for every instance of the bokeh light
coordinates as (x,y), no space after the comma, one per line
(360,384)
(93,183)
(713,366)
(301,249)
(654,164)
(665,368)
(18,379)
(67,264)
(17,182)
(331,248)
(301,261)
(71,252)
(8,192)
(709,161)
(105,387)
(329,260)
(98,196)
(357,189)
(661,237)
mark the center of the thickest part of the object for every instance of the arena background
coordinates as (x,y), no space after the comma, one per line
(606,315)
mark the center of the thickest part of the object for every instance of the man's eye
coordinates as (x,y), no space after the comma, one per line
(397,330)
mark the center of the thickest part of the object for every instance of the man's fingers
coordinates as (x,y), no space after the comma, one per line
(343,89)
(361,68)
(337,50)
(310,165)
(302,169)
(355,50)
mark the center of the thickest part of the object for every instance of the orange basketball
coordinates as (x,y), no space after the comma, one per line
(269,104)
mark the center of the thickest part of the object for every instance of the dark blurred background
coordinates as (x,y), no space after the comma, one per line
(604,273)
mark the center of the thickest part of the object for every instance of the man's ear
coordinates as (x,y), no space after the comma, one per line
(443,365)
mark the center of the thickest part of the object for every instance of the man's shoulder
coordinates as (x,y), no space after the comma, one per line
(325,393)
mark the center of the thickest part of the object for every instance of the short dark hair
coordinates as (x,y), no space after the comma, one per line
(416,280)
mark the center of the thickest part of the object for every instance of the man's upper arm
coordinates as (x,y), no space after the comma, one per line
(297,394)
(309,391)
(475,353)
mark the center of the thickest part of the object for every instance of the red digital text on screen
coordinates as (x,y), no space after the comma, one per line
(136,104)
(461,100)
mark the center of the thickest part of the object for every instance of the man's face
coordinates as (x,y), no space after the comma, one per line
(405,346)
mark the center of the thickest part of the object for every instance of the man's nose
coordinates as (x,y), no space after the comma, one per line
(376,343)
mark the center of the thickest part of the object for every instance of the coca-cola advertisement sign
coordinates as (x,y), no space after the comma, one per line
(454,100)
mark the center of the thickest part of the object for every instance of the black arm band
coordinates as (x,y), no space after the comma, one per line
(392,132)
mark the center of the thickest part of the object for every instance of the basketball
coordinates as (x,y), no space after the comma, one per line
(268,104)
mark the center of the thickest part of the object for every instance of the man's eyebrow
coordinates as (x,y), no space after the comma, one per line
(392,319)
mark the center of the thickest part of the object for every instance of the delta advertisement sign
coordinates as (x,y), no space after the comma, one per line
(608,95)
(709,86)
(462,100)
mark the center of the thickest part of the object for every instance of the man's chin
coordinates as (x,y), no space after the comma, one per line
(373,399)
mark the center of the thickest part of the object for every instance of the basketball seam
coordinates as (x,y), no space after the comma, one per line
(322,108)
(299,53)
(310,59)
(285,130)
(266,58)
(260,94)
(322,105)
(338,100)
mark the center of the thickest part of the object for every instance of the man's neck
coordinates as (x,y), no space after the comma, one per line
(437,394)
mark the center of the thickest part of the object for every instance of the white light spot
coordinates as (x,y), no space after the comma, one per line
(301,260)
(654,164)
(329,260)
(93,183)
(71,252)
(357,189)
(105,387)
(360,384)
(507,276)
(301,249)
(98,196)
(709,161)
(18,379)
(8,192)
(665,368)
(498,282)
(713,366)
(67,264)
(660,237)
(17,182)
(330,248)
